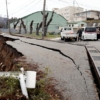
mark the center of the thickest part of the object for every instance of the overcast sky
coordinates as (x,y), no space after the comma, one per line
(20,8)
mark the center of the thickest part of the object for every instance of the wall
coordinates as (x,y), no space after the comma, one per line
(57,21)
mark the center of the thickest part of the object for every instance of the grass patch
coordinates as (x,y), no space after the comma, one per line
(49,36)
(10,88)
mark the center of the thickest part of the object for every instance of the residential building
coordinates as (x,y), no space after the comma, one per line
(76,25)
(87,15)
(68,12)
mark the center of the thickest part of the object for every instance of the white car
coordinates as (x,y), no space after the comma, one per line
(68,33)
(89,33)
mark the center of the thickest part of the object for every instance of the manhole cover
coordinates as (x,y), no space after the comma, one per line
(90,47)
(96,57)
(94,51)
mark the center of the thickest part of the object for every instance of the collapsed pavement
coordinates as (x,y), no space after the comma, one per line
(68,64)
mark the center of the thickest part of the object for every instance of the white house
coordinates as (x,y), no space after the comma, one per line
(90,14)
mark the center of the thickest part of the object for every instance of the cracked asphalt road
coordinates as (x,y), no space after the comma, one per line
(71,83)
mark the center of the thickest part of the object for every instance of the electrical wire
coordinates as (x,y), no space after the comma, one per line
(77,3)
(80,4)
(22,7)
(66,1)
(1,1)
(59,3)
(1,4)
(31,7)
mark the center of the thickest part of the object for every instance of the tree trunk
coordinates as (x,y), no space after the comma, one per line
(31,30)
(45,31)
(20,29)
(37,31)
(25,31)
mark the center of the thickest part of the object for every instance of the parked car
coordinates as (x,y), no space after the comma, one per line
(89,33)
(68,33)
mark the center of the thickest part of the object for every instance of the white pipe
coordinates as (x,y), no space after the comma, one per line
(22,84)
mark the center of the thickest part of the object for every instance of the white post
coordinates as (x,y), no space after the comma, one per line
(23,85)
(22,82)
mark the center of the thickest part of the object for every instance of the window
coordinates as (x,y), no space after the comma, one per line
(67,29)
(88,13)
(90,29)
(82,14)
(78,14)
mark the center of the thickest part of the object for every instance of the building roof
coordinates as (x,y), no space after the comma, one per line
(88,11)
(40,11)
(76,22)
(57,20)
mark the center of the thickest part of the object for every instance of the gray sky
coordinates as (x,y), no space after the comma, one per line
(20,8)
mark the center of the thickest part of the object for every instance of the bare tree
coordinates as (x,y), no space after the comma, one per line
(38,28)
(15,24)
(31,27)
(20,28)
(24,26)
(46,24)
(40,25)
(46,28)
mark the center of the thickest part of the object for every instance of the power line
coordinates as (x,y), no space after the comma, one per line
(31,7)
(2,4)
(89,6)
(1,1)
(59,3)
(23,7)
(79,3)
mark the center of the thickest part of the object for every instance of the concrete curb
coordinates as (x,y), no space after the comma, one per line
(94,56)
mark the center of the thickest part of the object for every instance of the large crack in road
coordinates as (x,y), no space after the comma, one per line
(59,51)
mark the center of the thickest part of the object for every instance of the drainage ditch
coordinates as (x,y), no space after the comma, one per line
(94,74)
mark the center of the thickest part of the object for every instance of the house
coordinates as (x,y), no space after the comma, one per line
(87,15)
(77,25)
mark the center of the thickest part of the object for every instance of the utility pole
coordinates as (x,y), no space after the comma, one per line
(43,28)
(7,17)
